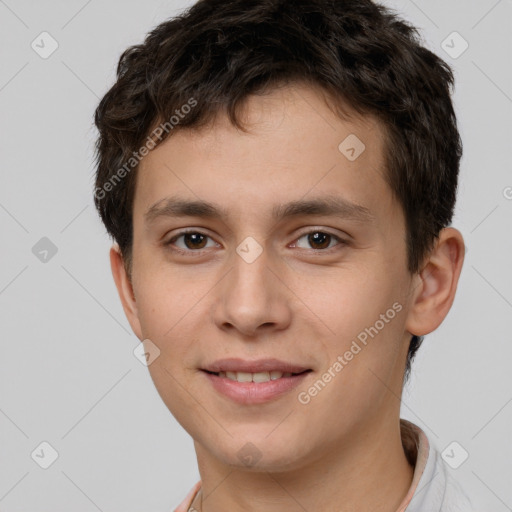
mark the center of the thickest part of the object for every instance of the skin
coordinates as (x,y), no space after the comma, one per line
(342,450)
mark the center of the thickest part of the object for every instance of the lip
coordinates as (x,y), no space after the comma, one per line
(247,393)
(261,365)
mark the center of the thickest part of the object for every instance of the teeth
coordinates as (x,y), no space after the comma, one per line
(243,377)
(254,377)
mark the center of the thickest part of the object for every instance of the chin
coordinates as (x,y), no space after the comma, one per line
(258,454)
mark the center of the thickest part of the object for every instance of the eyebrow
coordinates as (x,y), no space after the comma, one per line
(327,206)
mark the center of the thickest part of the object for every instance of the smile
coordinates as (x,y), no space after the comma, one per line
(256,377)
(253,388)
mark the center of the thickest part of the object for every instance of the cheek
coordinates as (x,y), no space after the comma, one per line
(180,399)
(165,298)
(355,383)
(163,320)
(345,301)
(360,318)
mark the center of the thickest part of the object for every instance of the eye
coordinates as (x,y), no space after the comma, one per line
(195,241)
(192,241)
(319,240)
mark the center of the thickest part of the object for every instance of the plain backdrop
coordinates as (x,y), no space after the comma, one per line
(68,375)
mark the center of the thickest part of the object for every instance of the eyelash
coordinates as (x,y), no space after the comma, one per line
(169,243)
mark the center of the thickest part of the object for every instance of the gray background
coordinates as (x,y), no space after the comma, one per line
(68,375)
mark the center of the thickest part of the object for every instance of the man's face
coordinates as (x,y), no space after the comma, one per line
(304,288)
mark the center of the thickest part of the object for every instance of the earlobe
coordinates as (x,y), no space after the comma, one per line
(125,290)
(434,290)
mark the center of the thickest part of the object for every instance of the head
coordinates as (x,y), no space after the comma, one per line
(248,106)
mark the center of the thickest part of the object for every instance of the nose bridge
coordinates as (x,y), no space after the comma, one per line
(249,284)
(251,294)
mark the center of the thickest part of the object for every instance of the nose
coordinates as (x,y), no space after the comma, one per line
(253,298)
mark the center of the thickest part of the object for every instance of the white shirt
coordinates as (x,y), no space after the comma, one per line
(433,488)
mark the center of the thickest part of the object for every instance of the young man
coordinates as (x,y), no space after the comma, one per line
(279,178)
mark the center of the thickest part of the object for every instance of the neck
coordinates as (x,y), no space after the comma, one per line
(369,473)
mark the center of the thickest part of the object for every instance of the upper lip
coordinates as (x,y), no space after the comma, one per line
(254,366)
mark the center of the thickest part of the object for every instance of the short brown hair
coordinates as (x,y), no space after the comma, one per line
(218,52)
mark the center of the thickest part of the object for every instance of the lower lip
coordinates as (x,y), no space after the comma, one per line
(254,392)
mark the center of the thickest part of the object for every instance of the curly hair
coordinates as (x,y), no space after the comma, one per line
(216,53)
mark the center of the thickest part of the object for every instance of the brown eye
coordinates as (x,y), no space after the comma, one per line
(190,241)
(194,240)
(318,240)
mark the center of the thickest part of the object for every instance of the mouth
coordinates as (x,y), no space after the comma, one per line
(254,382)
(258,377)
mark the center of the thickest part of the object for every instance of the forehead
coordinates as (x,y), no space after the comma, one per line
(296,148)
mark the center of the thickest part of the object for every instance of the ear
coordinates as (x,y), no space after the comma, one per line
(436,284)
(125,290)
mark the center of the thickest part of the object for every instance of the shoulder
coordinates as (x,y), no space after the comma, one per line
(455,498)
